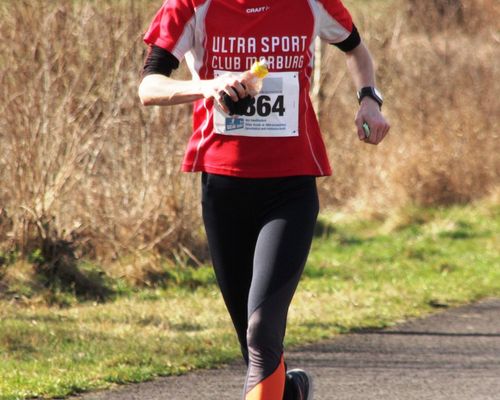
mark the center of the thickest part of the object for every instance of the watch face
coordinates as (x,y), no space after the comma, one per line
(377,93)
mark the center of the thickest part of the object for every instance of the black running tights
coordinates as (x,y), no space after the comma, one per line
(259,233)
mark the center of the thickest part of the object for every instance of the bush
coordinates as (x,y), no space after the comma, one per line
(83,163)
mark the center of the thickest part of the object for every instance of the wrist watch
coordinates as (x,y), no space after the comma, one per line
(373,92)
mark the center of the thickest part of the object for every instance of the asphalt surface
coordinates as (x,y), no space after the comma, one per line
(451,355)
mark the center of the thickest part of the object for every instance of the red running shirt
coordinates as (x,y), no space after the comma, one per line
(279,135)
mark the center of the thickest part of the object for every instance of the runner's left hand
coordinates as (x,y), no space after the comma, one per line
(369,112)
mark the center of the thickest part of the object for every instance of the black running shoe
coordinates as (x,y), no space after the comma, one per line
(302,383)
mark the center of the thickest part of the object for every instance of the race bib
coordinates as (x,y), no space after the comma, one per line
(274,112)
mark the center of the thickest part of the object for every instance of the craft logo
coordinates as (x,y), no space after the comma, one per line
(233,124)
(255,10)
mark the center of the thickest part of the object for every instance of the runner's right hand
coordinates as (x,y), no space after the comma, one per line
(229,84)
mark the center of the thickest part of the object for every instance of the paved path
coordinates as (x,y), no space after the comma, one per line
(453,355)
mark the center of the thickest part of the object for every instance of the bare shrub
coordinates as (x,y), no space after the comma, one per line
(435,14)
(441,98)
(83,163)
(466,15)
(81,160)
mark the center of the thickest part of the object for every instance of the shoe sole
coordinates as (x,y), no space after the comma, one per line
(310,395)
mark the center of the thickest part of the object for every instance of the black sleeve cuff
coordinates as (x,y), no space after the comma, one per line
(352,41)
(159,61)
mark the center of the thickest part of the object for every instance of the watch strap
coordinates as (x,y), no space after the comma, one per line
(370,91)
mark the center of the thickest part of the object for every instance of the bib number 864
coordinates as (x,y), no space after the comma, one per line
(264,106)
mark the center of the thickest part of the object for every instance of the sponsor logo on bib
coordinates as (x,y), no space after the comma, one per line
(233,124)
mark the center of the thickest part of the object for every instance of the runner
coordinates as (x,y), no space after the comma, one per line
(259,168)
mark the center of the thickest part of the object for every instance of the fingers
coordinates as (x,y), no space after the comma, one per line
(231,85)
(240,89)
(359,126)
(231,91)
(378,131)
(227,85)
(371,125)
(218,87)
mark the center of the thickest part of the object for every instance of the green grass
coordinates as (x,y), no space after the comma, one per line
(360,274)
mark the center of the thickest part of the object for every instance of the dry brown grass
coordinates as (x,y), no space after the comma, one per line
(441,88)
(82,161)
